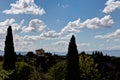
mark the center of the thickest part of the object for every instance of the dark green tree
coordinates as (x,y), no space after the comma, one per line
(72,67)
(9,54)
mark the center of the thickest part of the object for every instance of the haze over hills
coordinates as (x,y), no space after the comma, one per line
(108,52)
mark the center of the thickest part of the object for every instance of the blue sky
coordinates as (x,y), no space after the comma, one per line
(49,24)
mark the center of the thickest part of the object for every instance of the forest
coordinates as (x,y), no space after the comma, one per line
(73,66)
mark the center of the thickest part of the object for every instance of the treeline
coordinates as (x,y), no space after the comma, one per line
(73,66)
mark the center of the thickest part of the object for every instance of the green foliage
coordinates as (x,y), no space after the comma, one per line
(23,70)
(9,54)
(3,73)
(35,75)
(72,61)
(57,72)
(88,68)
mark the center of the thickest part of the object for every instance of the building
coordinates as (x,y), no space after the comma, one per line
(40,52)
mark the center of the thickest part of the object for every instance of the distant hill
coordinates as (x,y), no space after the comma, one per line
(1,52)
(108,52)
(22,53)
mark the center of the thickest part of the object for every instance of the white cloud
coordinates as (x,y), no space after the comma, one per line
(25,6)
(111,5)
(33,38)
(4,25)
(34,26)
(72,27)
(7,22)
(61,43)
(50,34)
(115,34)
(94,23)
(22,44)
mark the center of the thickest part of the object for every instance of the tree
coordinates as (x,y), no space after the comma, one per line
(57,72)
(88,68)
(23,70)
(31,54)
(9,54)
(3,73)
(72,67)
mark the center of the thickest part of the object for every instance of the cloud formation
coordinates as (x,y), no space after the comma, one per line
(94,23)
(50,34)
(38,27)
(111,5)
(24,7)
(4,24)
(35,25)
(20,43)
(115,34)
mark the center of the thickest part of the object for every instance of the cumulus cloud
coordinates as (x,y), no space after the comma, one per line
(115,34)
(50,34)
(38,26)
(75,26)
(7,22)
(106,21)
(94,23)
(33,38)
(26,7)
(34,26)
(111,5)
(4,24)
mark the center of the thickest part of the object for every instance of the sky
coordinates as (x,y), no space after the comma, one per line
(49,24)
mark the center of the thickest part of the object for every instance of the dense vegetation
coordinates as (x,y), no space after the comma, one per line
(95,66)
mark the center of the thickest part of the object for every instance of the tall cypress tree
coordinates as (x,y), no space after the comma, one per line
(72,68)
(9,54)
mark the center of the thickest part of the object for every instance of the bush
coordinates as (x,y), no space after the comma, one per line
(3,73)
(57,72)
(23,70)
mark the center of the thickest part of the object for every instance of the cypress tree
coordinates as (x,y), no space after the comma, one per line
(9,54)
(72,67)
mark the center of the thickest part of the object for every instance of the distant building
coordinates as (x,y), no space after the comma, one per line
(40,52)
